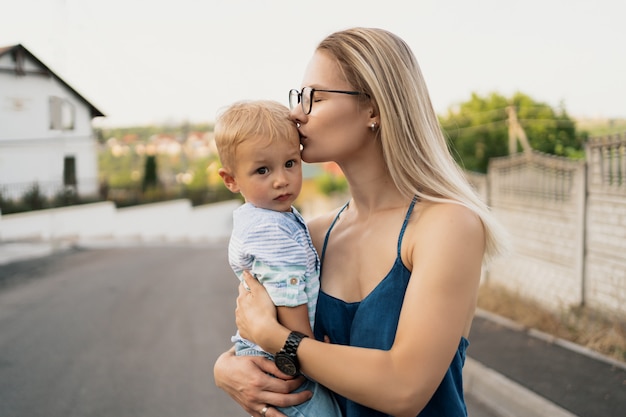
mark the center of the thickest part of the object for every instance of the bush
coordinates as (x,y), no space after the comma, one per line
(328,183)
(33,199)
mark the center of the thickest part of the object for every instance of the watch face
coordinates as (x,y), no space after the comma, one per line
(286,365)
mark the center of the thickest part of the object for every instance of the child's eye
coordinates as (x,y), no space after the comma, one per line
(290,164)
(262,171)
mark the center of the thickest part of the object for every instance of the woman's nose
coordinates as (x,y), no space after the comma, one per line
(298,116)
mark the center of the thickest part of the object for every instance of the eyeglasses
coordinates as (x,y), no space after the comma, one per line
(305,97)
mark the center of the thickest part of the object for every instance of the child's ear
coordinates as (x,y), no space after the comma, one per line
(229,180)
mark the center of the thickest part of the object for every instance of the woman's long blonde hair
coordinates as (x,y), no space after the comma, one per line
(415,150)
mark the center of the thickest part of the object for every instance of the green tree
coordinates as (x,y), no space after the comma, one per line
(479,130)
(150,173)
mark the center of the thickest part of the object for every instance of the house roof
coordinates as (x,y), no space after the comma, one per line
(19,50)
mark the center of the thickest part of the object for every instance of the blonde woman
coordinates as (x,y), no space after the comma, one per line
(401,261)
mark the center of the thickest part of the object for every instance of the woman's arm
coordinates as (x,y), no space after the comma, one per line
(445,249)
(246,380)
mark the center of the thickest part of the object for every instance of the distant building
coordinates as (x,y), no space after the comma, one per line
(46,136)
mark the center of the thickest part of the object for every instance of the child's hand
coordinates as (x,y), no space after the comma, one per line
(255,310)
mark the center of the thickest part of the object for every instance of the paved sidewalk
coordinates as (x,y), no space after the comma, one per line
(570,379)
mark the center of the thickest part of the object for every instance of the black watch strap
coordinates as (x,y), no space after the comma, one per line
(292,343)
(286,359)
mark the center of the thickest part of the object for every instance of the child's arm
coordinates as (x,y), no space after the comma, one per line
(290,299)
(295,318)
(283,277)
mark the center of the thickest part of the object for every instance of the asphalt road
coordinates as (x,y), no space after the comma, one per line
(119,332)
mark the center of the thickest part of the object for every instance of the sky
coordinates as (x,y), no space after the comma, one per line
(166,62)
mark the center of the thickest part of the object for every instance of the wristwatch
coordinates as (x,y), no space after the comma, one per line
(286,359)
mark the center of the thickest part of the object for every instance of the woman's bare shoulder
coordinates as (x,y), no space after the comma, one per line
(459,214)
(319,225)
(445,221)
(447,228)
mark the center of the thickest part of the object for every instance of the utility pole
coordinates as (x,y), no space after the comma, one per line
(516,132)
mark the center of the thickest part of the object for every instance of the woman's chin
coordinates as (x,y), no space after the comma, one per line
(310,158)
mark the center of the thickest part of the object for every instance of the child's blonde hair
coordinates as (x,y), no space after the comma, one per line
(249,119)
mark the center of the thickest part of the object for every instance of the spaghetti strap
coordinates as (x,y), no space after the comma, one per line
(328,232)
(404,224)
(406,221)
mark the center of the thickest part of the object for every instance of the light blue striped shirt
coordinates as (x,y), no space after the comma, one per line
(277,249)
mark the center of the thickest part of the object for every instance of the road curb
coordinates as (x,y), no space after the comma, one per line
(506,397)
(549,338)
(22,251)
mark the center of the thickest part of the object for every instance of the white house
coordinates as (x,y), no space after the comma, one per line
(46,135)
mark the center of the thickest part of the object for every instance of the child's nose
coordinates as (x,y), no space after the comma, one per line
(280,180)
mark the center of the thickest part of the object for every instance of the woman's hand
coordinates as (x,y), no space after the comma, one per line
(245,379)
(255,314)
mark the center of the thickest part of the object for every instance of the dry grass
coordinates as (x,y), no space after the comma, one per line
(579,325)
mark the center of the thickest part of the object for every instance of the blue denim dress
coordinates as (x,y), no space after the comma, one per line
(372,323)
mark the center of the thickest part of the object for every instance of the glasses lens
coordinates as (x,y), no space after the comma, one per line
(307,99)
(294,98)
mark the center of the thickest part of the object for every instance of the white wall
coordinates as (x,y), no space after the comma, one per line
(172,221)
(606,224)
(606,253)
(568,230)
